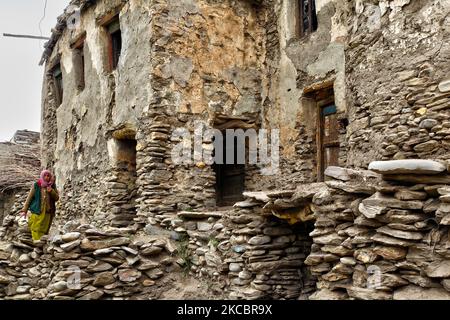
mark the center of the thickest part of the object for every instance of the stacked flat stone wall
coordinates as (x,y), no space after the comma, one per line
(359,235)
(12,203)
(242,253)
(381,240)
(397,81)
(86,265)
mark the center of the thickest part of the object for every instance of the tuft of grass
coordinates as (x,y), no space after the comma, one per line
(214,242)
(185,253)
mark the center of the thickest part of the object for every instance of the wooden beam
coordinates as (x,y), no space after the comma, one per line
(319,86)
(78,41)
(110,16)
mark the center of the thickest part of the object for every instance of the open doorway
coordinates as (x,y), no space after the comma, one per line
(230,175)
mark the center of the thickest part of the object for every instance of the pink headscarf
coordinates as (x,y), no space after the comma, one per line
(42,181)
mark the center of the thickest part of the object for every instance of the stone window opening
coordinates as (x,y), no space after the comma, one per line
(58,83)
(79,63)
(230,177)
(115,42)
(307,17)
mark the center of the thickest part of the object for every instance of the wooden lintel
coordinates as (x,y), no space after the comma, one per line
(319,86)
(78,41)
(54,62)
(108,17)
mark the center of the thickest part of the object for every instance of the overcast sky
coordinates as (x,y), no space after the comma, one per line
(20,75)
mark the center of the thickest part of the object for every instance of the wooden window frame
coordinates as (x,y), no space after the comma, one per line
(56,73)
(111,23)
(312,17)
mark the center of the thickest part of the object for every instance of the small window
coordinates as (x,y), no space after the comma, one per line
(58,83)
(115,42)
(79,63)
(308,17)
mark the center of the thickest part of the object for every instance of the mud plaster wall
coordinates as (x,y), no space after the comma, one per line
(215,53)
(76,132)
(397,63)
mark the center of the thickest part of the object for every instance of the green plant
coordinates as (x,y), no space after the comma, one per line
(185,253)
(214,242)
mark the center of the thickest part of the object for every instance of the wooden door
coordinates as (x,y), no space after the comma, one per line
(328,141)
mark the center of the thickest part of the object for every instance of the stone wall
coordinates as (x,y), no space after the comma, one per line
(180,72)
(391,243)
(13,203)
(399,109)
(359,235)
(397,81)
(199,73)
(86,265)
(294,65)
(239,254)
(250,254)
(19,166)
(261,77)
(238,64)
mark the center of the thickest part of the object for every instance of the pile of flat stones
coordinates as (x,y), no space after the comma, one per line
(121,195)
(86,264)
(11,228)
(390,241)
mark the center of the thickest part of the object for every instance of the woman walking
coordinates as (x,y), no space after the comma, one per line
(41,202)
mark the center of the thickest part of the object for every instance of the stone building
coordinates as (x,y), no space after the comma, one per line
(132,72)
(19,167)
(345,82)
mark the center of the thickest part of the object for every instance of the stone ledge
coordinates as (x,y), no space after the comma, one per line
(200,215)
(409,166)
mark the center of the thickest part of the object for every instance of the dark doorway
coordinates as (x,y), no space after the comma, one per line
(230,177)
